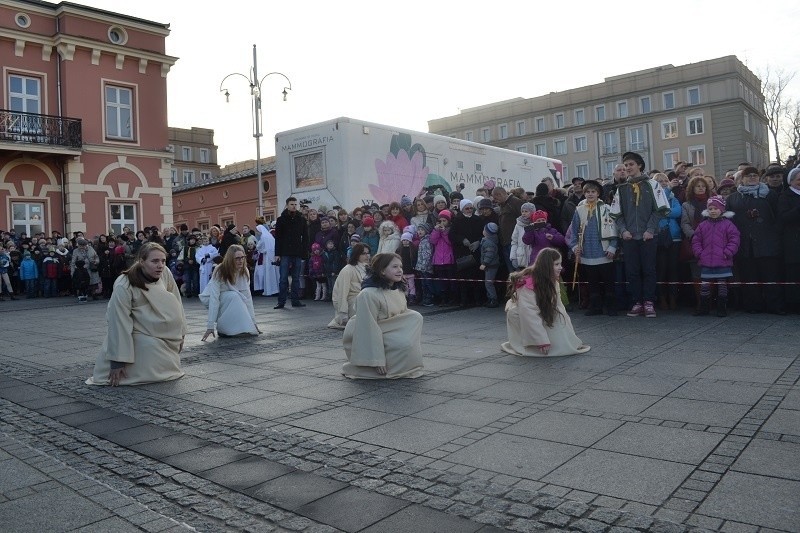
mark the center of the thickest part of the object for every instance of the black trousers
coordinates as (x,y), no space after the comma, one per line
(757,298)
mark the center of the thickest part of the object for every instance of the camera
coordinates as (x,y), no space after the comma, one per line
(276,262)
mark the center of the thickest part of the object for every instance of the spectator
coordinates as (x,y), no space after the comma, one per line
(637,207)
(789,216)
(91,260)
(291,247)
(510,209)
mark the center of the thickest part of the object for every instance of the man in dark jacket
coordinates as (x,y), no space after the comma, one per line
(510,209)
(290,250)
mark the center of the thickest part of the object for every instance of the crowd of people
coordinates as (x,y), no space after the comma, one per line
(633,243)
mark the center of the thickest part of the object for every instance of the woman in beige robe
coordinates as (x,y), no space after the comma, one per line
(382,340)
(529,334)
(146,325)
(348,285)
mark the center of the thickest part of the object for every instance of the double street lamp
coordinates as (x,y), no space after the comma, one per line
(255,92)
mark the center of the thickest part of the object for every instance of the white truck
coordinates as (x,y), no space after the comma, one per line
(350,163)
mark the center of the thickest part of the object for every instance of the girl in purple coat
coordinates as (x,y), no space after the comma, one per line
(541,235)
(444,262)
(715,242)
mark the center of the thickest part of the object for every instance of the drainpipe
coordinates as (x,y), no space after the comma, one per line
(61,163)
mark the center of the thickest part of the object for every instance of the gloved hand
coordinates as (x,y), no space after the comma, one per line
(341,318)
(474,246)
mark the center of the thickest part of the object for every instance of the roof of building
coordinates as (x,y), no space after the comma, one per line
(55,6)
(242,174)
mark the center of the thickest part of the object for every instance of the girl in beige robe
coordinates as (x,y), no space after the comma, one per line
(145,328)
(537,322)
(348,285)
(382,340)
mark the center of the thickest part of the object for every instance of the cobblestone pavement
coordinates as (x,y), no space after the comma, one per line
(668,425)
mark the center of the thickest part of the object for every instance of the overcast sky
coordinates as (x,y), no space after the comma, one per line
(403,63)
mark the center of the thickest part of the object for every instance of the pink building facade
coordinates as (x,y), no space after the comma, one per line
(83,120)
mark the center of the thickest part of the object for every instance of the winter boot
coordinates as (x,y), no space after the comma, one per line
(324,297)
(595,305)
(611,308)
(663,304)
(318,293)
(704,307)
(722,307)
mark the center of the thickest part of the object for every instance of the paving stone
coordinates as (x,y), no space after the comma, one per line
(573,508)
(589,526)
(554,518)
(419,519)
(294,490)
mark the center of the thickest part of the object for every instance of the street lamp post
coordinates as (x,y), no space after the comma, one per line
(255,91)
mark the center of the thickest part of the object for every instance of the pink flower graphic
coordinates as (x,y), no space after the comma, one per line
(398,176)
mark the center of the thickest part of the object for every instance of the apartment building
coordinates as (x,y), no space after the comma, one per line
(195,155)
(709,113)
(83,119)
(231,197)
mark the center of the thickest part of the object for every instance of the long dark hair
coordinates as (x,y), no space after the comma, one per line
(545,285)
(355,253)
(376,267)
(135,273)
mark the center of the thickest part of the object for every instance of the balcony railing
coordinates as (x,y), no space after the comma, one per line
(32,128)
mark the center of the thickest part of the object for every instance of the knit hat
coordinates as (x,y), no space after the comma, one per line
(26,253)
(405,200)
(491,227)
(792,175)
(315,247)
(368,221)
(439,198)
(82,242)
(727,182)
(716,201)
(355,237)
(231,226)
(464,203)
(538,214)
(529,207)
(484,203)
(406,237)
(444,213)
(425,226)
(411,228)
(634,157)
(489,184)
(775,169)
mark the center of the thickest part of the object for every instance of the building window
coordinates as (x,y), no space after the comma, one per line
(188,176)
(668,100)
(636,138)
(748,151)
(694,125)
(460,165)
(693,95)
(608,168)
(622,109)
(117,35)
(478,167)
(520,128)
(741,92)
(558,119)
(204,155)
(580,144)
(560,146)
(582,170)
(746,121)
(205,176)
(503,131)
(522,148)
(669,129)
(580,117)
(186,153)
(644,104)
(24,95)
(468,136)
(485,136)
(27,217)
(609,142)
(119,113)
(599,113)
(539,122)
(697,155)
(540,149)
(22,20)
(123,215)
(671,157)
(174,174)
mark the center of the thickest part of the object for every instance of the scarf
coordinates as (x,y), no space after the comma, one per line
(699,204)
(759,190)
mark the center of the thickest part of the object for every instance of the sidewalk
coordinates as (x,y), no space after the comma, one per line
(647,432)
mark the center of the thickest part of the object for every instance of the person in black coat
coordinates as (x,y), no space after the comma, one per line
(789,216)
(755,210)
(291,246)
(465,235)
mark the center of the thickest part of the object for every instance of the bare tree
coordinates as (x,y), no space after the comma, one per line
(791,129)
(776,103)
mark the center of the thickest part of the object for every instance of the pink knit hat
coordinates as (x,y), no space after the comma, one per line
(716,201)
